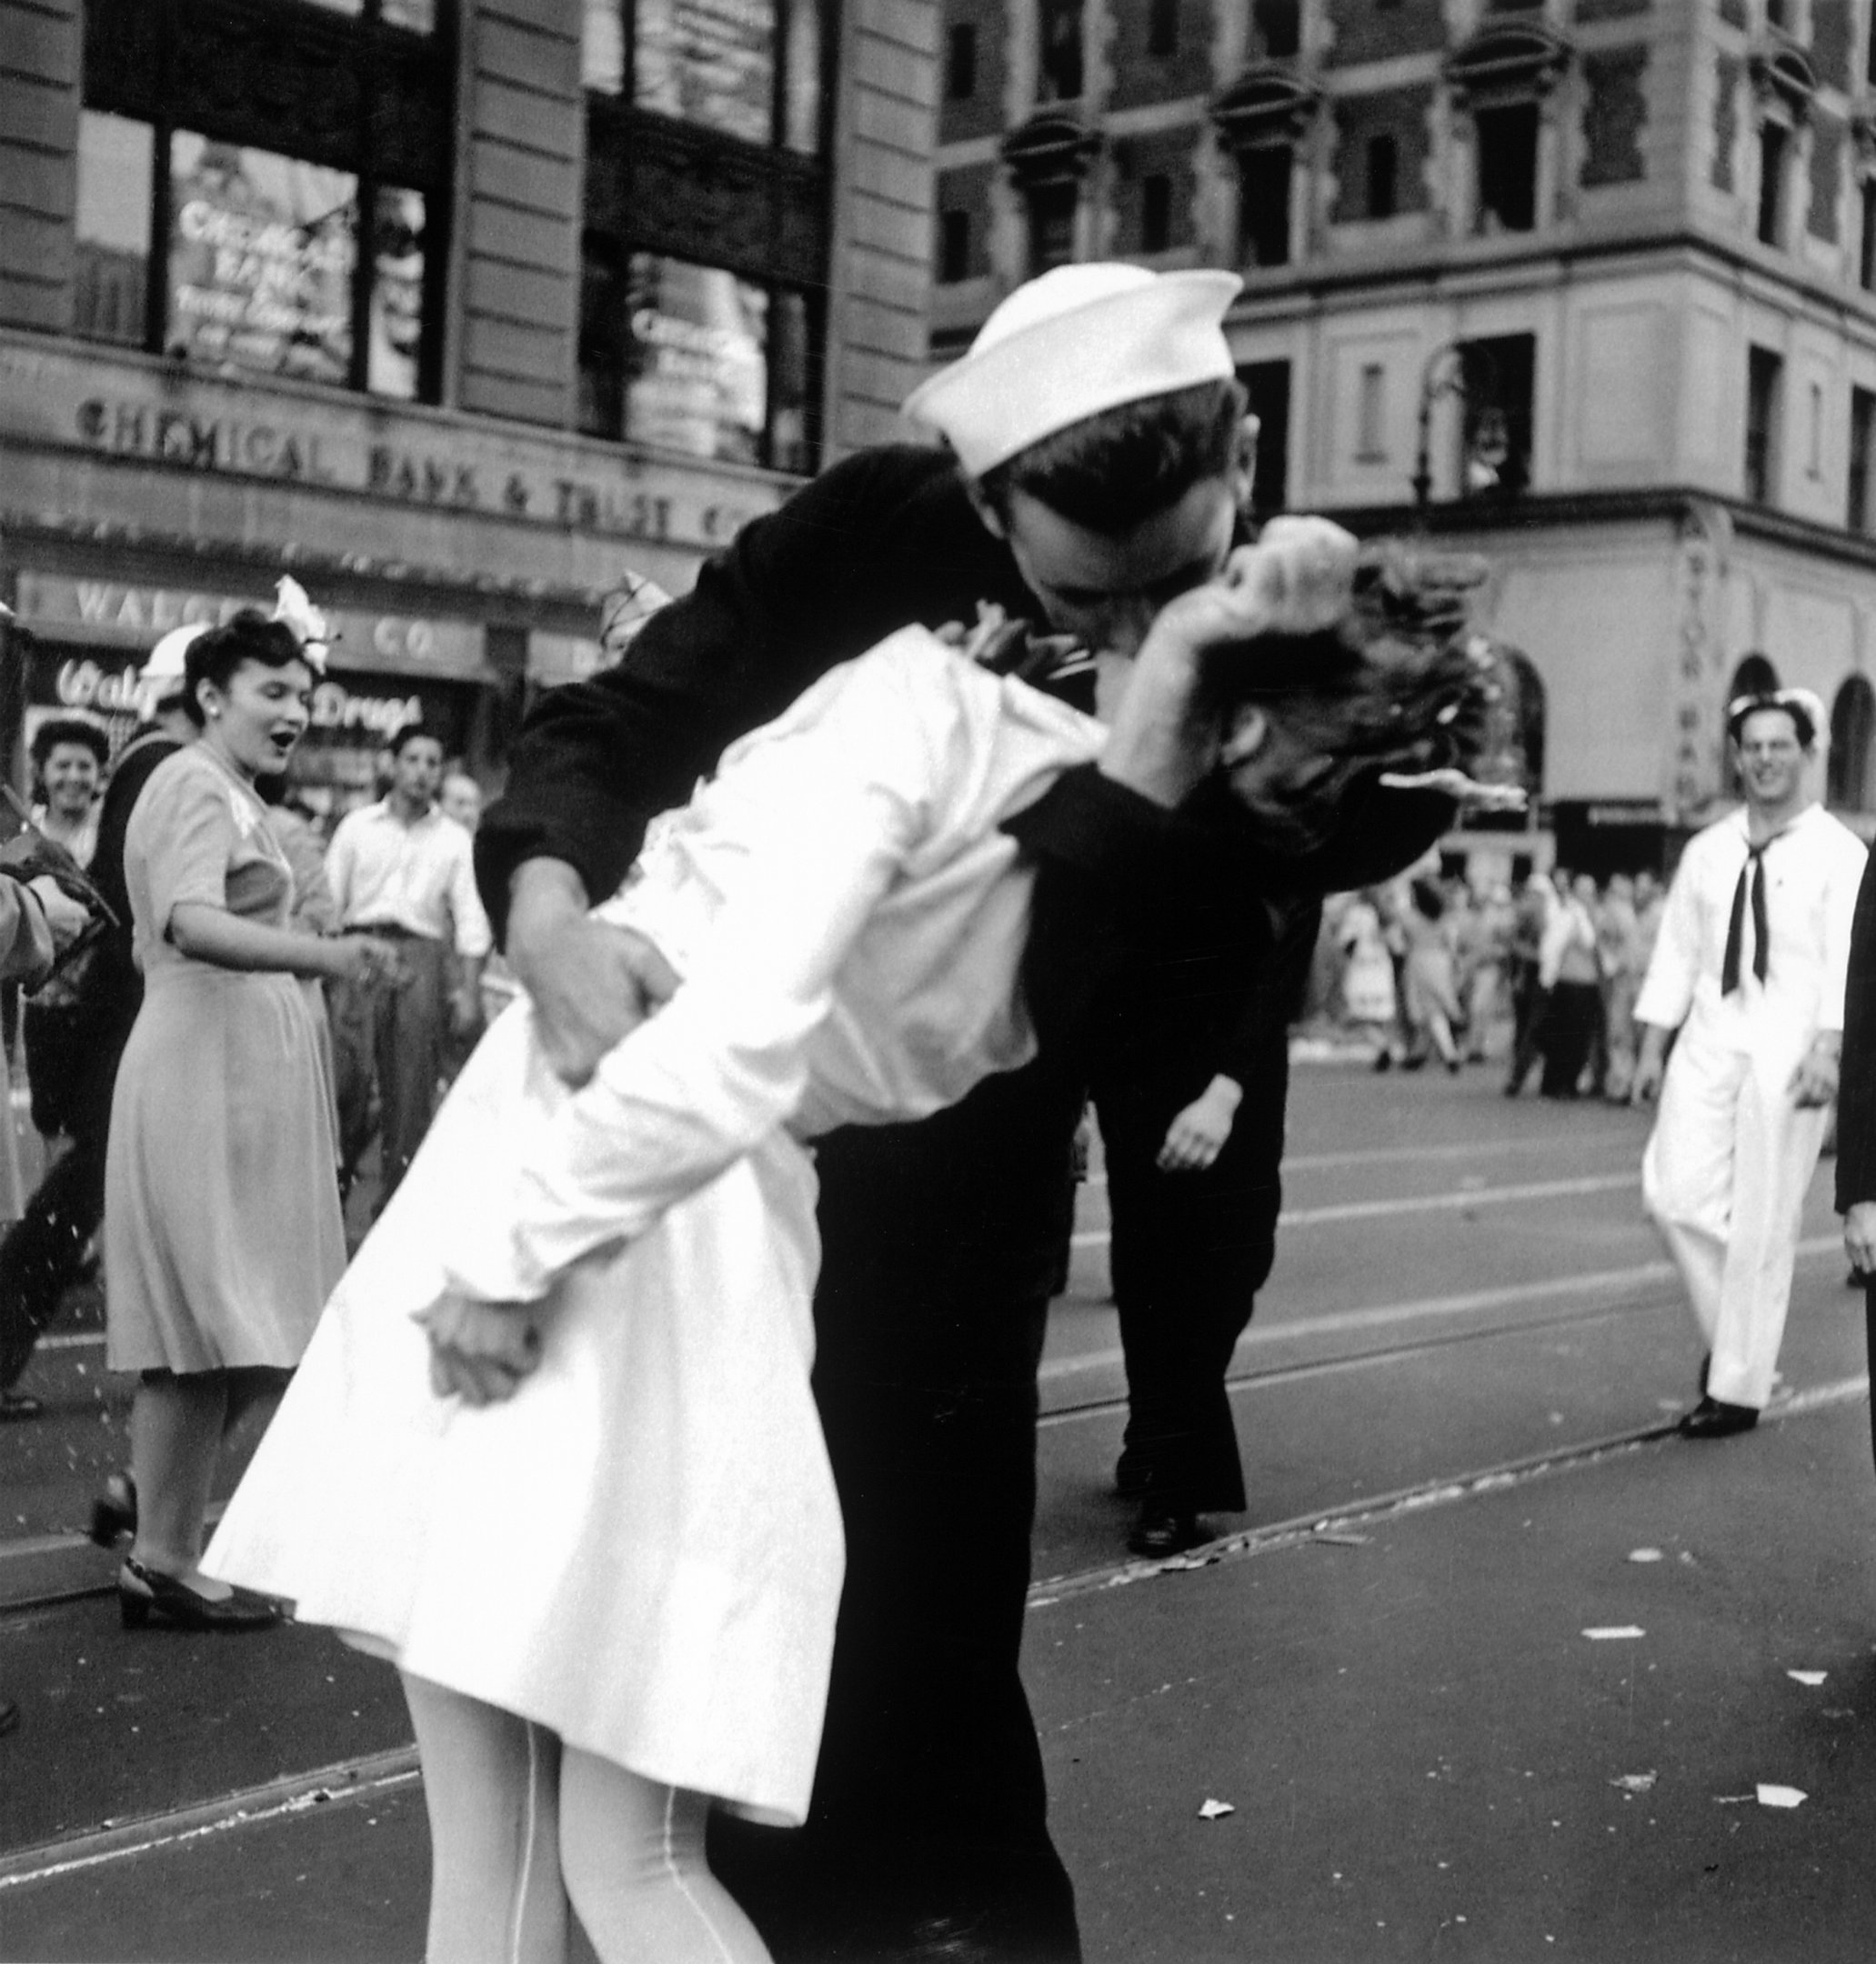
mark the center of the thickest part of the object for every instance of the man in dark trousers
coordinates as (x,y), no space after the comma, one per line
(1098,464)
(1856,1109)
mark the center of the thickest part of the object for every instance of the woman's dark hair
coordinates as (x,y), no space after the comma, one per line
(1113,471)
(215,656)
(57,730)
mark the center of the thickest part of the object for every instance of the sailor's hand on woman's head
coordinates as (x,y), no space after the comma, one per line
(591,985)
(1298,579)
(480,1352)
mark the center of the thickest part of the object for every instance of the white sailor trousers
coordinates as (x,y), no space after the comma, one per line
(1725,1176)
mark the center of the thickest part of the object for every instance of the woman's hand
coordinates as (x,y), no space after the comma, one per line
(1814,1082)
(1198,1135)
(367,963)
(480,1352)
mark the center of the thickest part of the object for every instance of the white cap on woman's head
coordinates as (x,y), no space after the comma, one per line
(161,676)
(1065,346)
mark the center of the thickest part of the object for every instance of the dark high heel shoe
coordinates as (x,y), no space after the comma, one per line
(143,1593)
(114,1512)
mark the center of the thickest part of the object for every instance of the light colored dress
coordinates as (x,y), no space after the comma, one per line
(223,1236)
(642,1549)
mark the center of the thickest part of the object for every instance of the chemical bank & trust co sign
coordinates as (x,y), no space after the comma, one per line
(139,409)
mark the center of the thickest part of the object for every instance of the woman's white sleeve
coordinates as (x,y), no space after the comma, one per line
(822,818)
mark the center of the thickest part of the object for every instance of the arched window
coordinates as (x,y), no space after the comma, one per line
(1852,775)
(1755,675)
(1525,736)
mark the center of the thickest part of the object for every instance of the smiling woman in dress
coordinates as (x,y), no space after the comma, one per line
(222,1230)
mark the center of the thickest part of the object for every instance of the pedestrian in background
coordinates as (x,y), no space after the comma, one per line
(1619,955)
(1751,970)
(1523,965)
(1370,1000)
(1429,990)
(1572,986)
(46,1253)
(402,871)
(460,797)
(222,1228)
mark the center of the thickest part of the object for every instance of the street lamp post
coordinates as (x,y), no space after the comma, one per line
(1445,374)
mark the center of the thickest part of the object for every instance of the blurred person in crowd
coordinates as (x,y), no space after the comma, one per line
(1749,969)
(222,1228)
(1369,1001)
(1429,994)
(1572,981)
(460,798)
(400,870)
(1651,903)
(1488,996)
(1524,952)
(47,1252)
(313,909)
(1619,953)
(69,758)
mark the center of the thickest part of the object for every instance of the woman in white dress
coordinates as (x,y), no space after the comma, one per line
(608,1569)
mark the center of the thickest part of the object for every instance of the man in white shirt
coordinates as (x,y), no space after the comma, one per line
(401,869)
(1749,968)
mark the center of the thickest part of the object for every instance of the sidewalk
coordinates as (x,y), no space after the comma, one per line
(1424,1754)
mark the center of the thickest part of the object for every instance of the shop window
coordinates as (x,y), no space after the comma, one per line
(1861,507)
(1851,779)
(960,62)
(1263,204)
(1280,28)
(1051,226)
(116,173)
(746,69)
(418,17)
(1156,213)
(1498,390)
(954,247)
(1371,416)
(1774,144)
(1268,386)
(1059,64)
(696,360)
(1507,167)
(1383,171)
(1778,13)
(1764,396)
(1163,29)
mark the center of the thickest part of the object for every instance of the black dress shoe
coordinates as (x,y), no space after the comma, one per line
(1713,1418)
(1160,1531)
(14,1405)
(114,1512)
(143,1593)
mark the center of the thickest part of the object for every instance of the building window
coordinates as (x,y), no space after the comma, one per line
(117,172)
(1263,204)
(960,62)
(1058,67)
(1268,386)
(1371,416)
(1156,213)
(746,69)
(1866,245)
(1778,13)
(1051,226)
(1383,169)
(1774,144)
(1764,390)
(1163,29)
(1849,778)
(695,359)
(1814,445)
(1507,167)
(1499,374)
(954,247)
(1862,430)
(1278,26)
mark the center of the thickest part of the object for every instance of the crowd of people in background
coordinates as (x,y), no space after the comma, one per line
(1539,975)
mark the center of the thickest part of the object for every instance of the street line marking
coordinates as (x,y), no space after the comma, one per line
(71,1340)
(1382,1315)
(247,1807)
(1441,1490)
(1460,1199)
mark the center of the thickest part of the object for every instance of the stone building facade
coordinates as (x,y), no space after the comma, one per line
(1599,273)
(461,311)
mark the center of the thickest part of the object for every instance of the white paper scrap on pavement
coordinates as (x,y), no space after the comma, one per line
(1636,1783)
(1812,1678)
(1615,1632)
(1781,1797)
(1646,1555)
(1212,1809)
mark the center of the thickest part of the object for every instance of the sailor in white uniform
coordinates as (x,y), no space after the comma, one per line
(1750,968)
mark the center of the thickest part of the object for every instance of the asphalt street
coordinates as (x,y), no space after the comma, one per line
(1368,1722)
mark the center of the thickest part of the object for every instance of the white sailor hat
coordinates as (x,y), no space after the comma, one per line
(161,676)
(1065,346)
